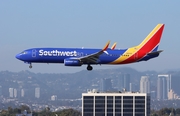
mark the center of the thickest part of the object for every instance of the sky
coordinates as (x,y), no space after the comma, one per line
(88,24)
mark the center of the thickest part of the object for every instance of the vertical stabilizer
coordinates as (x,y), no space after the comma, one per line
(151,42)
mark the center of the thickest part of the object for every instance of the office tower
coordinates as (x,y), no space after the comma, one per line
(22,92)
(106,85)
(163,86)
(124,82)
(15,93)
(11,92)
(144,84)
(37,92)
(115,104)
(130,87)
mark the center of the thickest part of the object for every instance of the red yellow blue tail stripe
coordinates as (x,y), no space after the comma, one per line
(146,46)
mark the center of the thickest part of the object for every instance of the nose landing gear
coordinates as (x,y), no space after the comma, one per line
(30,66)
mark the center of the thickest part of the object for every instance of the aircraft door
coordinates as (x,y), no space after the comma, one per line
(136,54)
(34,53)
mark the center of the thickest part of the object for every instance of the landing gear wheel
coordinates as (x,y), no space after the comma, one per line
(30,66)
(89,68)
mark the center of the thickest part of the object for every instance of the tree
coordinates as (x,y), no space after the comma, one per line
(70,112)
(4,113)
(154,113)
(25,107)
(172,112)
(164,112)
(10,110)
(178,111)
(45,112)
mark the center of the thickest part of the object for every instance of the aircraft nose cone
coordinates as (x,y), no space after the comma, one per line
(18,56)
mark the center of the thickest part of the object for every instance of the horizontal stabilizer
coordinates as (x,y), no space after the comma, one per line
(155,53)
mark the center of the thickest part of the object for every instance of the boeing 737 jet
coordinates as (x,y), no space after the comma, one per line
(146,50)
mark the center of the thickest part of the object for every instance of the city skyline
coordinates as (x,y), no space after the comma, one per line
(118,82)
(57,88)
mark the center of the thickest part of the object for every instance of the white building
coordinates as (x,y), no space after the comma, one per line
(15,92)
(22,93)
(11,92)
(145,84)
(37,92)
(115,104)
(53,97)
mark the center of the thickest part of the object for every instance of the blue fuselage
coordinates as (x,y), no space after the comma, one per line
(57,55)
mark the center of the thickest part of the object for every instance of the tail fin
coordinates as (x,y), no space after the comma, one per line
(151,42)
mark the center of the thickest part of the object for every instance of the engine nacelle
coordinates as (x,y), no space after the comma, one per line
(72,62)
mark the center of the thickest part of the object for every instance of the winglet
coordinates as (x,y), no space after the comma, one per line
(106,46)
(113,46)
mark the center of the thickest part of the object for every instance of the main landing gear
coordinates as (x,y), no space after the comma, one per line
(89,67)
(30,66)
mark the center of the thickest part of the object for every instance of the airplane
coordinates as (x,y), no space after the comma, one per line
(145,51)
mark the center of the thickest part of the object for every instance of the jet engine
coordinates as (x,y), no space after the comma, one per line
(72,62)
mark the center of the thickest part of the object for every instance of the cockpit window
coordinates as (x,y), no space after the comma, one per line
(24,52)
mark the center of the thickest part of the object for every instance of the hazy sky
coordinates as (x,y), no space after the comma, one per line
(86,23)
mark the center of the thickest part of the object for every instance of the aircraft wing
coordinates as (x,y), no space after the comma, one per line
(94,58)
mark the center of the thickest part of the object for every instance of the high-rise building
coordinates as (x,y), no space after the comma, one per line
(22,92)
(144,84)
(124,82)
(163,86)
(130,87)
(106,85)
(37,92)
(11,90)
(15,93)
(115,104)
